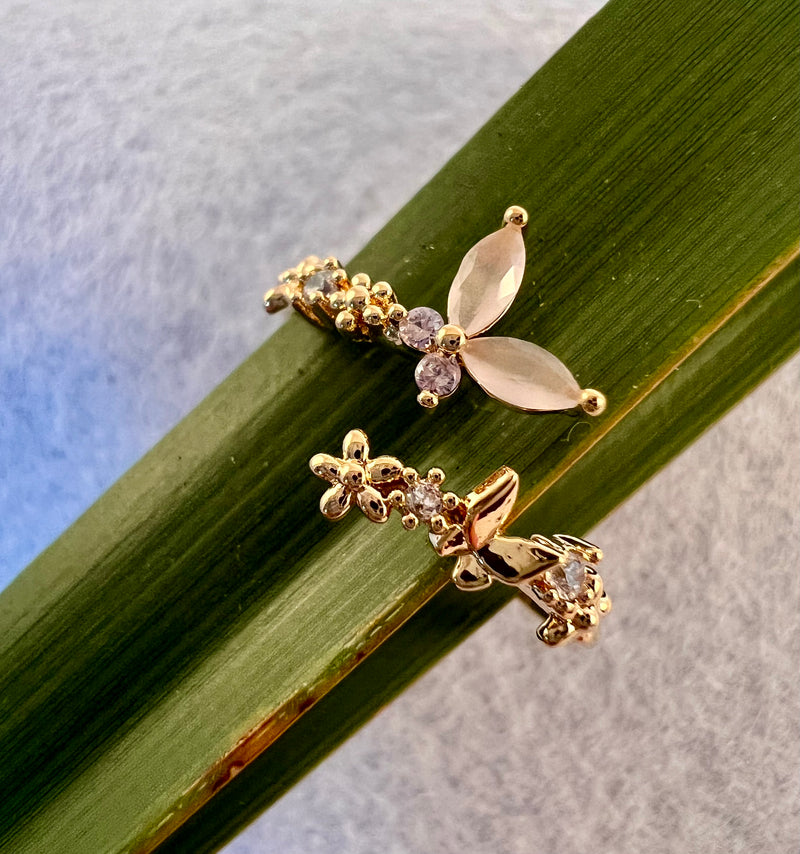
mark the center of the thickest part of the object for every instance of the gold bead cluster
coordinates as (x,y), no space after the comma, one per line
(322,291)
(439,521)
(378,486)
(572,617)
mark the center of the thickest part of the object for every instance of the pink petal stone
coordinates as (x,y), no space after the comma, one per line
(521,374)
(487,280)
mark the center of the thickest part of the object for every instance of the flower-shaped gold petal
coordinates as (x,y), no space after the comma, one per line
(336,501)
(325,466)
(384,469)
(373,505)
(351,478)
(356,446)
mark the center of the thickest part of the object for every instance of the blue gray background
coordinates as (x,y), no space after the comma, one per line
(158,164)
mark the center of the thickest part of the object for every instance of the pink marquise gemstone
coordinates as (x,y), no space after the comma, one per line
(487,280)
(438,374)
(520,373)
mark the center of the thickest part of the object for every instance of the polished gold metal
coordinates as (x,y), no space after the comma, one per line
(593,402)
(515,215)
(324,294)
(346,321)
(557,574)
(361,280)
(451,338)
(373,315)
(382,291)
(427,399)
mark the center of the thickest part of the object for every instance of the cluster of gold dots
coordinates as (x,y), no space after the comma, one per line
(356,305)
(366,306)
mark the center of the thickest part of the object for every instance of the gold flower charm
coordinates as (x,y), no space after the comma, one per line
(352,478)
(571,590)
(558,575)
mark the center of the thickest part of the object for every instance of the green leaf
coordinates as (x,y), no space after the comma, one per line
(190,617)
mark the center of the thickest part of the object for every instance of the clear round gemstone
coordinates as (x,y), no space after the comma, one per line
(321,282)
(419,327)
(393,334)
(424,500)
(570,578)
(437,374)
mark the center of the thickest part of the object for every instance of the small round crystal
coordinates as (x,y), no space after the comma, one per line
(419,327)
(319,283)
(393,334)
(424,500)
(438,374)
(570,577)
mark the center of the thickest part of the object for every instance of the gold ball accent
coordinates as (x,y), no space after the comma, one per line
(593,402)
(410,521)
(373,315)
(515,215)
(351,474)
(277,298)
(396,498)
(309,265)
(450,501)
(587,619)
(435,475)
(382,291)
(438,523)
(338,276)
(410,476)
(336,300)
(331,263)
(357,298)
(549,594)
(451,338)
(566,607)
(397,312)
(287,276)
(427,399)
(345,321)
(361,279)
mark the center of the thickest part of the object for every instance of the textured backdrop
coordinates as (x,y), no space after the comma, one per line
(158,163)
